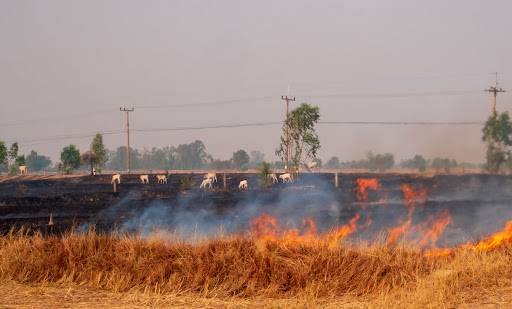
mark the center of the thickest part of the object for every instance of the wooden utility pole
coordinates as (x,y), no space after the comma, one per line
(128,155)
(287,131)
(494,90)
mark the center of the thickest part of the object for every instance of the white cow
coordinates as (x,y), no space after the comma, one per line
(144,178)
(286,177)
(23,169)
(243,184)
(206,182)
(116,178)
(161,179)
(272,177)
(212,176)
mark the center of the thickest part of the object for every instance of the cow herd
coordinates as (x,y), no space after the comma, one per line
(208,180)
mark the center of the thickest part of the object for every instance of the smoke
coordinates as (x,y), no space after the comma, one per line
(465,208)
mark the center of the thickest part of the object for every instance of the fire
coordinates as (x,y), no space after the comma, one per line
(496,239)
(411,196)
(491,242)
(395,233)
(363,184)
(266,228)
(335,236)
(438,227)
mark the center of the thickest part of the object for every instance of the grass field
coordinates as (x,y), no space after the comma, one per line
(112,270)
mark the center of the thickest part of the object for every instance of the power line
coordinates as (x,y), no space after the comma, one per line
(75,116)
(43,139)
(70,117)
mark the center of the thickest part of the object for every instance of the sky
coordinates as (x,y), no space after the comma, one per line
(66,67)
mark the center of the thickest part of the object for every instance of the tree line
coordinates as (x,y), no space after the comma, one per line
(299,144)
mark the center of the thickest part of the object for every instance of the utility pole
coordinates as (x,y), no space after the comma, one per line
(287,129)
(494,90)
(128,155)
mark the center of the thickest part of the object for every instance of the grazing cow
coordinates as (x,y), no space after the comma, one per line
(272,177)
(116,178)
(23,169)
(161,179)
(144,178)
(312,164)
(243,184)
(212,176)
(206,182)
(286,177)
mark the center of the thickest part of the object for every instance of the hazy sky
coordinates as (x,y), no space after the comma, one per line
(67,66)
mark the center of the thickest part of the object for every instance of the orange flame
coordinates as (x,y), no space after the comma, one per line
(411,196)
(335,236)
(264,227)
(363,184)
(438,227)
(496,239)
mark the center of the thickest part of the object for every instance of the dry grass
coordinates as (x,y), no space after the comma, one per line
(242,272)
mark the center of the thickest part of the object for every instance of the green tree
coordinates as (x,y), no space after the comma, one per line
(497,135)
(117,159)
(20,160)
(191,156)
(89,158)
(303,142)
(265,171)
(380,162)
(36,162)
(70,158)
(3,156)
(257,157)
(99,151)
(443,163)
(333,162)
(12,154)
(241,159)
(417,162)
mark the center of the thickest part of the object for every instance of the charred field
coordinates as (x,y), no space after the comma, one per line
(374,240)
(475,205)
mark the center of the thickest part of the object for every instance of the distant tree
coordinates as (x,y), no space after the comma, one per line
(417,162)
(20,160)
(303,139)
(333,162)
(99,152)
(117,159)
(380,162)
(191,156)
(241,159)
(157,158)
(497,133)
(89,158)
(12,154)
(70,158)
(265,171)
(278,164)
(257,157)
(3,156)
(36,162)
(444,164)
(221,164)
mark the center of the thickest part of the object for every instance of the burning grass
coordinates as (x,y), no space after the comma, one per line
(247,268)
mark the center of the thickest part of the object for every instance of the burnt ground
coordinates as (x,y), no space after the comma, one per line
(477,203)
